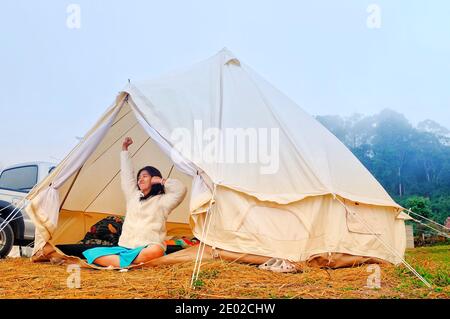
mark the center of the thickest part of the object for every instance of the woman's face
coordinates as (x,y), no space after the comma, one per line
(144,181)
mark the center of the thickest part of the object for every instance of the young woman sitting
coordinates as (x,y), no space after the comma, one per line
(149,201)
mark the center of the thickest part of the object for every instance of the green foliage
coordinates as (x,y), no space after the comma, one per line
(432,263)
(198,283)
(412,164)
(203,276)
(441,208)
(419,205)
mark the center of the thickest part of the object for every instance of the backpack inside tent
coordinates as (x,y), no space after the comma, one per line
(310,200)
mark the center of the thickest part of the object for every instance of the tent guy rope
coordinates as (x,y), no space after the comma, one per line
(389,247)
(432,221)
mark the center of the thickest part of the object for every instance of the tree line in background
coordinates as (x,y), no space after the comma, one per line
(412,163)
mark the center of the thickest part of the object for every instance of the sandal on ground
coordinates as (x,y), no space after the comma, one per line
(278,265)
(268,264)
(282,265)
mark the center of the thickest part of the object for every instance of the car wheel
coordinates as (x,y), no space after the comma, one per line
(6,239)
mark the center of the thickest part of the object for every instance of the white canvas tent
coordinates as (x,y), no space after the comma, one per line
(319,201)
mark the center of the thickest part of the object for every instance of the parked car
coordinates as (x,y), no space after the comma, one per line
(15,183)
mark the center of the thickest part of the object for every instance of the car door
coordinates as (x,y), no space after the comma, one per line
(15,183)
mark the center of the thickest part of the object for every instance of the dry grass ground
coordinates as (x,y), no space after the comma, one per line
(22,279)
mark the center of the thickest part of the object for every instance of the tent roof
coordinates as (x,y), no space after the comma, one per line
(224,93)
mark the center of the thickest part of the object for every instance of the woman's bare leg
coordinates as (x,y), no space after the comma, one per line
(145,255)
(108,260)
(148,254)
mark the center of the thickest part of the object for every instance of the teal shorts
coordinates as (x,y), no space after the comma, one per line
(126,255)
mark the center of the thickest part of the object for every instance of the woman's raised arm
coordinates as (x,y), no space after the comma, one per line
(127,178)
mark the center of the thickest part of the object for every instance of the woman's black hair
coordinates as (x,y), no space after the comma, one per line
(157,189)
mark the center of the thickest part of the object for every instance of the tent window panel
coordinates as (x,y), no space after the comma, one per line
(366,219)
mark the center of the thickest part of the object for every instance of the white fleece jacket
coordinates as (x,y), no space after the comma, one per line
(145,221)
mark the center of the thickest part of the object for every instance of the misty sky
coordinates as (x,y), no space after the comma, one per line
(55,81)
